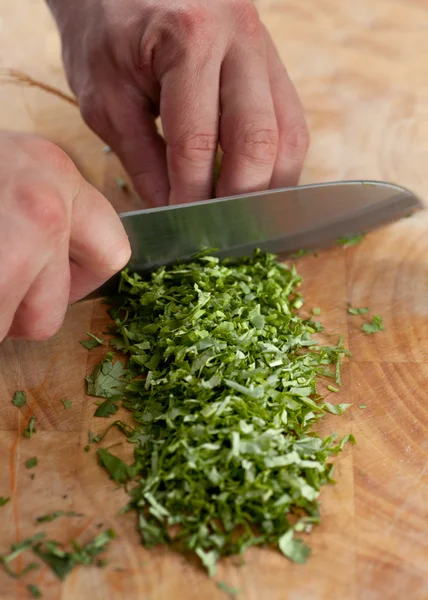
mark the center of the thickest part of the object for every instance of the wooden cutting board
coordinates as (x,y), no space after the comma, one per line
(362,71)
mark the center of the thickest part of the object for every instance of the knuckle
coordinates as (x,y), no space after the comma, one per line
(194,145)
(43,332)
(297,140)
(183,31)
(41,148)
(92,109)
(117,258)
(43,207)
(247,18)
(259,142)
(193,20)
(37,323)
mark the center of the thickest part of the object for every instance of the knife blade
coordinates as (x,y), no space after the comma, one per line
(280,221)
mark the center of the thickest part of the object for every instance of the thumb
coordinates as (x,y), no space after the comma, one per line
(99,246)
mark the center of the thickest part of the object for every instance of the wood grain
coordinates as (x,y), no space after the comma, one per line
(362,72)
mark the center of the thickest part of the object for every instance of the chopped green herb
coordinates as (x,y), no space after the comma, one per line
(31,463)
(362,406)
(336,409)
(300,253)
(58,513)
(17,550)
(87,448)
(358,311)
(294,549)
(93,341)
(30,430)
(351,240)
(68,404)
(34,590)
(316,311)
(119,471)
(122,184)
(62,562)
(332,388)
(227,589)
(221,382)
(374,326)
(94,439)
(19,399)
(4,500)
(106,409)
(106,379)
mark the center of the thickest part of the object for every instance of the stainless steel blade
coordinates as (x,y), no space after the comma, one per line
(278,221)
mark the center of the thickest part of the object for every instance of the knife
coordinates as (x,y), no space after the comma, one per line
(281,221)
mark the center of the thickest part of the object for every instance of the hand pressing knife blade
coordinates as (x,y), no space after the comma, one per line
(280,221)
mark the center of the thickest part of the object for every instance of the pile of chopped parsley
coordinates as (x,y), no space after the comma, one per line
(221,382)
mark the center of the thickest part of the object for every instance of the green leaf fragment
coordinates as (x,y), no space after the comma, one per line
(62,561)
(374,326)
(119,471)
(332,388)
(55,515)
(31,463)
(316,311)
(34,590)
(351,240)
(227,589)
(94,439)
(93,341)
(121,183)
(362,406)
(106,379)
(19,398)
(68,404)
(358,311)
(4,500)
(294,549)
(30,430)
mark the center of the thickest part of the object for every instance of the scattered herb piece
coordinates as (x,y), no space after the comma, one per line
(93,341)
(68,404)
(106,379)
(227,589)
(358,311)
(62,562)
(94,439)
(336,409)
(119,471)
(316,311)
(19,398)
(30,430)
(106,409)
(4,500)
(362,406)
(58,513)
(351,240)
(122,184)
(17,550)
(294,549)
(332,388)
(300,253)
(87,448)
(222,386)
(34,590)
(374,326)
(31,463)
